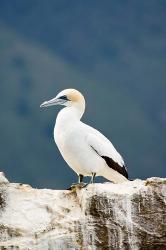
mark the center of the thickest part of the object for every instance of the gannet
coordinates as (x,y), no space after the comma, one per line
(86,150)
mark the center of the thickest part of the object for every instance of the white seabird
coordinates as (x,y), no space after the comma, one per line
(86,150)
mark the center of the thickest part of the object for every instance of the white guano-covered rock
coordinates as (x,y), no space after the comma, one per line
(101,216)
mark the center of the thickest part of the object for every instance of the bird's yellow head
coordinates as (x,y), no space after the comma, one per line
(67,97)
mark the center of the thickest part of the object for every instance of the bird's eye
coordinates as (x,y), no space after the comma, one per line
(64,97)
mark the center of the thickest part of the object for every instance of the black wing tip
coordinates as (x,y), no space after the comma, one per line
(125,170)
(115,166)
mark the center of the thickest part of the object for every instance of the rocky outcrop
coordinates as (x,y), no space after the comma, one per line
(101,216)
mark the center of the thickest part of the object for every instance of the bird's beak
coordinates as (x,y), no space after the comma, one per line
(54,101)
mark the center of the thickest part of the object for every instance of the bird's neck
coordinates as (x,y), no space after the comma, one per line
(67,117)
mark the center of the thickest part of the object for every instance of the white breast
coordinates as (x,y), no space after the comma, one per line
(76,152)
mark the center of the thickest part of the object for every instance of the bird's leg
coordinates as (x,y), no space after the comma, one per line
(80,181)
(93,177)
(80,178)
(91,181)
(79,184)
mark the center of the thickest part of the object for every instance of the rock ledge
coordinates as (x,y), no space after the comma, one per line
(101,216)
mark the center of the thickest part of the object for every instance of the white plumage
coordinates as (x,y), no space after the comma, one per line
(86,150)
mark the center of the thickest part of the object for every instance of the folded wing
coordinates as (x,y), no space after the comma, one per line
(105,149)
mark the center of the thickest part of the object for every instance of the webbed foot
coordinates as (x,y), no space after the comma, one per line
(77,185)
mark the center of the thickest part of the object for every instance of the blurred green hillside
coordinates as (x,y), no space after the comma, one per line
(115,54)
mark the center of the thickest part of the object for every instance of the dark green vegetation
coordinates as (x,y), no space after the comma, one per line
(114,52)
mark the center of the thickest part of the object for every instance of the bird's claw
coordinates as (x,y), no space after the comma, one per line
(77,185)
(85,185)
(72,186)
